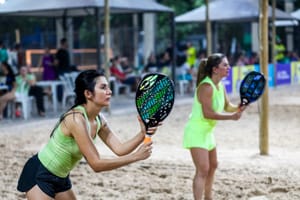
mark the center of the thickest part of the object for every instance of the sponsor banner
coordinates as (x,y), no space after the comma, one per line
(295,74)
(238,73)
(271,75)
(227,81)
(283,74)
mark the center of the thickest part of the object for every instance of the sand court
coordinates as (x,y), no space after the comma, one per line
(167,174)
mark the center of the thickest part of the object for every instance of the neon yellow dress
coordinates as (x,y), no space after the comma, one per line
(198,131)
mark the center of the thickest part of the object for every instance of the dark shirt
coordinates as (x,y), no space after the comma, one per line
(10,79)
(63,58)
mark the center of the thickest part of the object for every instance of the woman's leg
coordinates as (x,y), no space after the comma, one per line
(201,161)
(213,164)
(38,94)
(3,101)
(67,195)
(36,193)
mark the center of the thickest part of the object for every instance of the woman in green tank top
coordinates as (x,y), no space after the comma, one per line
(210,104)
(46,175)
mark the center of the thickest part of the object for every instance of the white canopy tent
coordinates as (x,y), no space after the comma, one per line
(295,14)
(72,8)
(58,8)
(230,11)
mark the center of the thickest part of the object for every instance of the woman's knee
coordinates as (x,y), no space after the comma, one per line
(202,170)
(214,165)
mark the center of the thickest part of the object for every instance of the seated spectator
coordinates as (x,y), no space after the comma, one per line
(164,63)
(241,60)
(10,81)
(26,86)
(293,56)
(254,59)
(151,65)
(185,72)
(121,76)
(126,67)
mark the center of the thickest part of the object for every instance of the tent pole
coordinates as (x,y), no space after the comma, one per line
(208,29)
(98,35)
(107,43)
(173,45)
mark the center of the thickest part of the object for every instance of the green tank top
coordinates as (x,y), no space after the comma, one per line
(61,153)
(196,118)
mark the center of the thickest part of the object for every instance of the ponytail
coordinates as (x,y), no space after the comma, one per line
(201,71)
(206,66)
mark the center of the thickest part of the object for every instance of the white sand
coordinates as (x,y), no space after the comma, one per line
(242,174)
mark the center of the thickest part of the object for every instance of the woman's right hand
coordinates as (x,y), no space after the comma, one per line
(150,130)
(236,115)
(144,151)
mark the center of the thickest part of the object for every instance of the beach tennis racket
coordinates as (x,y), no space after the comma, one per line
(154,99)
(252,87)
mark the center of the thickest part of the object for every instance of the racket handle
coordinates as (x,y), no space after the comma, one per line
(147,139)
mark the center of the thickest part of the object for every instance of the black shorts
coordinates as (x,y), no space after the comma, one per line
(34,173)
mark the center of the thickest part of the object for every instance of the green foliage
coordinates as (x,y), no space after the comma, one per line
(181,6)
(87,33)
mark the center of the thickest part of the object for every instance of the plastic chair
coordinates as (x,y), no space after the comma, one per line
(118,86)
(68,80)
(25,102)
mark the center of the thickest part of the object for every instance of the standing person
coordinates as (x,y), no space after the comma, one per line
(191,54)
(20,55)
(10,81)
(62,58)
(47,63)
(46,174)
(210,101)
(3,53)
(62,64)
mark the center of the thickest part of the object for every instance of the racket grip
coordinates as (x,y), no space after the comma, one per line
(147,139)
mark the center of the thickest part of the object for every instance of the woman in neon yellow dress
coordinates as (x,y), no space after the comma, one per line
(210,104)
(45,175)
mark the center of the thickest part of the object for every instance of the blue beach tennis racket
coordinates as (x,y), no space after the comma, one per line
(252,87)
(154,99)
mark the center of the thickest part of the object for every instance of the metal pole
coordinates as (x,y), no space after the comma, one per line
(208,29)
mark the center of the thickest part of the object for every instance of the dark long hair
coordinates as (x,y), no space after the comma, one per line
(207,64)
(86,80)
(9,68)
